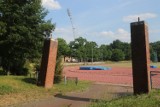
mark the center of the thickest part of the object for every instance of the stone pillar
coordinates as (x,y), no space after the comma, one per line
(140,57)
(48,63)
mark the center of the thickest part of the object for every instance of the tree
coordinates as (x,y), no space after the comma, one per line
(155,47)
(117,55)
(91,51)
(117,44)
(63,48)
(23,27)
(78,48)
(125,47)
(106,52)
(127,51)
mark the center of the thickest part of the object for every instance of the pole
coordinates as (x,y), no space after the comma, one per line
(92,54)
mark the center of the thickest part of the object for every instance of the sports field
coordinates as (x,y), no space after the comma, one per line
(120,74)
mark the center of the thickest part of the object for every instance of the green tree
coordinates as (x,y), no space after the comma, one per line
(117,55)
(78,48)
(155,47)
(117,44)
(22,28)
(92,51)
(106,52)
(125,47)
(63,48)
(127,50)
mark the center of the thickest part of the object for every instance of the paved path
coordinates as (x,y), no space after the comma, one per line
(83,99)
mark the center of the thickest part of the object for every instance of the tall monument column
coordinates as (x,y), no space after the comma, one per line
(140,57)
(48,63)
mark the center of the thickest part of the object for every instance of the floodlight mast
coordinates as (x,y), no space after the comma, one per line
(73,28)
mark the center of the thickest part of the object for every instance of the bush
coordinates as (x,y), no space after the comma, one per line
(3,73)
(58,70)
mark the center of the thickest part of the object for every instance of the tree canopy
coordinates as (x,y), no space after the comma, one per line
(22,28)
(88,51)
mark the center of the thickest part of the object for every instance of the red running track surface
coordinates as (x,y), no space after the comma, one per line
(117,75)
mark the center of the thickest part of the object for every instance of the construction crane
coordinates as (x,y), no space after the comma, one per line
(71,20)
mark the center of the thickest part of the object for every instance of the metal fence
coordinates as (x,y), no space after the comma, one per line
(155,79)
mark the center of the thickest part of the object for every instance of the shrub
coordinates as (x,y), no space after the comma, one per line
(58,70)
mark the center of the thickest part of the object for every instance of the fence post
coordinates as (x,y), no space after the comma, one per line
(76,80)
(65,80)
(151,78)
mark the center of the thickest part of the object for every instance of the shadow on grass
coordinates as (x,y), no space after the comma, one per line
(75,98)
(122,94)
(29,80)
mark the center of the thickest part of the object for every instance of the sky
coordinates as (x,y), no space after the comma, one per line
(102,21)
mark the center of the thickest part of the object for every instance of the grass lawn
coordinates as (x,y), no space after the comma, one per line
(109,64)
(145,100)
(119,64)
(19,89)
(126,64)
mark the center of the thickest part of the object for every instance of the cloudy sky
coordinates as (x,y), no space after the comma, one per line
(102,21)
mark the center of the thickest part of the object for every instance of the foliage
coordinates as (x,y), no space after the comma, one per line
(2,72)
(63,48)
(145,100)
(78,48)
(106,52)
(125,47)
(117,55)
(87,51)
(22,28)
(58,70)
(155,48)
(153,56)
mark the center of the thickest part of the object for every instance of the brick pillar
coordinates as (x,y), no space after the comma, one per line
(140,57)
(48,63)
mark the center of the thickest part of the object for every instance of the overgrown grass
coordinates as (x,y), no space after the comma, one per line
(19,89)
(145,100)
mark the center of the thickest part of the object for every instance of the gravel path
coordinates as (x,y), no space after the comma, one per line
(83,99)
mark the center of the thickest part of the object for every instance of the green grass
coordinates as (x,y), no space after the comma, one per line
(145,100)
(6,89)
(126,64)
(81,86)
(19,89)
(119,64)
(111,64)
